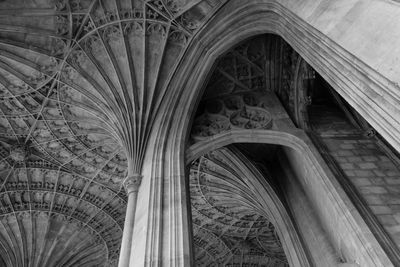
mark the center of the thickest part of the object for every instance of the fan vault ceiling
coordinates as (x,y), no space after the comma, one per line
(80,84)
(230,227)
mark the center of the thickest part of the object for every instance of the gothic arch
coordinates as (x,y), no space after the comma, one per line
(342,70)
(273,206)
(75,62)
(324,55)
(297,140)
(231,169)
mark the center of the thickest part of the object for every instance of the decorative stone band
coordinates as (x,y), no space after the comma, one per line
(132,183)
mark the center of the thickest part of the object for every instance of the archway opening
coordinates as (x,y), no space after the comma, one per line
(234,224)
(264,89)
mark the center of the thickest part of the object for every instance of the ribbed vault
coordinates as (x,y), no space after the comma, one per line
(80,85)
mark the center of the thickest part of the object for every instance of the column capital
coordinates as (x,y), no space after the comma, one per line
(132,183)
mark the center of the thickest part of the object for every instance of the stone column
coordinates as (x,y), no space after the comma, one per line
(131,185)
(162,230)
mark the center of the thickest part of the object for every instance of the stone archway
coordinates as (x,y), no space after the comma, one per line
(210,47)
(236,23)
(299,142)
(105,83)
(261,195)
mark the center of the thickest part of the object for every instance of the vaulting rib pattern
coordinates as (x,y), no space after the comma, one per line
(229,225)
(80,84)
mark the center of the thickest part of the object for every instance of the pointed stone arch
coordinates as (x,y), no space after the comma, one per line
(365,247)
(238,21)
(273,206)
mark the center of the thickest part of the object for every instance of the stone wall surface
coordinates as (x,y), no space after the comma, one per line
(368,29)
(365,33)
(367,169)
(330,238)
(374,174)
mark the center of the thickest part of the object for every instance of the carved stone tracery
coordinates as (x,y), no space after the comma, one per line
(233,97)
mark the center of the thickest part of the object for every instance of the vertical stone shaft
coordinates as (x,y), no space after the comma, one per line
(131,185)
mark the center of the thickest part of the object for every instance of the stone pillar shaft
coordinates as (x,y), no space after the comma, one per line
(131,185)
(162,231)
